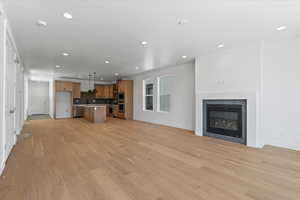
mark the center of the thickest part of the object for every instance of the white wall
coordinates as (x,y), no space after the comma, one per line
(265,73)
(231,74)
(182,113)
(281,93)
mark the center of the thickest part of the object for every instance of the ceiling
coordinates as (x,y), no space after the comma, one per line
(113,30)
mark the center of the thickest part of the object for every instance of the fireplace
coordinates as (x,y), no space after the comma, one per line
(225,119)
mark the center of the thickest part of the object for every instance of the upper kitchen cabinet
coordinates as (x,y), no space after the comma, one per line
(100,92)
(76,90)
(111,91)
(122,86)
(108,91)
(63,86)
(104,92)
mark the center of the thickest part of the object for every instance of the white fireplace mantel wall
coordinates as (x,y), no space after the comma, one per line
(231,74)
(267,75)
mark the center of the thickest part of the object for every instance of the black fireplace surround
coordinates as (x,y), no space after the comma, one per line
(225,119)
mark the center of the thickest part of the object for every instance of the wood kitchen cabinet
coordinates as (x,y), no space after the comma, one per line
(95,114)
(63,86)
(109,89)
(76,90)
(99,92)
(89,113)
(104,92)
(121,86)
(125,88)
(111,92)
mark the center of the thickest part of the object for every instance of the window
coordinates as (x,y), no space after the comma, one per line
(148,95)
(164,85)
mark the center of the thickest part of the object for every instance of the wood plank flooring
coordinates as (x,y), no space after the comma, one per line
(128,160)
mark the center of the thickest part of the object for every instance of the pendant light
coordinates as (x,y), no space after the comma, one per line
(90,91)
(94,91)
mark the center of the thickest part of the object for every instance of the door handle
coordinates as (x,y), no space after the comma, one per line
(12,111)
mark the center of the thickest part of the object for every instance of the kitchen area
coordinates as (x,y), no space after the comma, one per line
(95,102)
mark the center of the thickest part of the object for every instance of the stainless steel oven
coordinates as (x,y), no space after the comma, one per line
(121,97)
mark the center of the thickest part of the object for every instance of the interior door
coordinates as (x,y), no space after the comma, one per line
(10,98)
(63,105)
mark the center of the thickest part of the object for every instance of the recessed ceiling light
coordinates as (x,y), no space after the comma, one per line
(58,66)
(65,54)
(41,23)
(101,78)
(68,15)
(116,74)
(144,43)
(281,28)
(184,57)
(220,45)
(137,68)
(107,62)
(182,21)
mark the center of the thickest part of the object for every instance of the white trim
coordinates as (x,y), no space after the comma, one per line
(2,167)
(148,81)
(158,93)
(4,92)
(2,82)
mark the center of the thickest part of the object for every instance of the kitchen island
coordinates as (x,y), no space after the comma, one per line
(95,113)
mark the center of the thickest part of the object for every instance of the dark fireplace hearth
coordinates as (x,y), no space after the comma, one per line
(225,119)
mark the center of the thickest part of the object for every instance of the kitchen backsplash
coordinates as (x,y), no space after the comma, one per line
(89,98)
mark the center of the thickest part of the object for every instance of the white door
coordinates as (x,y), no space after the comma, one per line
(63,105)
(10,100)
(38,97)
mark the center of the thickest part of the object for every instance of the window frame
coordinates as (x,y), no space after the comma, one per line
(145,82)
(158,93)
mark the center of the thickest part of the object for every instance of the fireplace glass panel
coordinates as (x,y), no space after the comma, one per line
(225,120)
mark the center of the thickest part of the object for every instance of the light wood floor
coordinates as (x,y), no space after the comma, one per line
(123,160)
